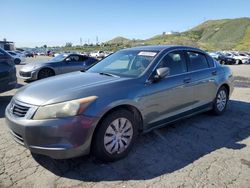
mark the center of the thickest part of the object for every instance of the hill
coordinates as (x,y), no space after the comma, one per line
(119,40)
(225,34)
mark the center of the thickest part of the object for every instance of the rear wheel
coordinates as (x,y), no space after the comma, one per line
(17,61)
(45,73)
(115,136)
(220,102)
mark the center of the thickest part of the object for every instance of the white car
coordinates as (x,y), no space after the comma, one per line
(18,58)
(97,54)
(239,57)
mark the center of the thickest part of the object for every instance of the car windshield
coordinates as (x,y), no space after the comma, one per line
(58,58)
(126,63)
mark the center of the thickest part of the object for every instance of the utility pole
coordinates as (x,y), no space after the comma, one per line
(96,40)
(81,41)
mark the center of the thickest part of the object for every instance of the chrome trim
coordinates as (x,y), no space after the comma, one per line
(30,112)
(46,148)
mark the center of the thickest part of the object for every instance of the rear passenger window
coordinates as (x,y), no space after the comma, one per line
(197,61)
(175,61)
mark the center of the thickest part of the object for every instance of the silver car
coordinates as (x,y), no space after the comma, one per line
(63,63)
(103,109)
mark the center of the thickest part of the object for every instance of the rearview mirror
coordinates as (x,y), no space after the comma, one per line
(162,73)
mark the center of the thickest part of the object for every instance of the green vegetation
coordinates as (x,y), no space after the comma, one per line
(226,34)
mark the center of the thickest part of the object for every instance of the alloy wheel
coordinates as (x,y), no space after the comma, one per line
(221,100)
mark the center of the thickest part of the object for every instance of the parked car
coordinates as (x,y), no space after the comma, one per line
(222,59)
(60,64)
(97,54)
(8,78)
(103,109)
(18,58)
(29,54)
(239,59)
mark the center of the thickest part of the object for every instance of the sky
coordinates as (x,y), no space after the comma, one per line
(31,23)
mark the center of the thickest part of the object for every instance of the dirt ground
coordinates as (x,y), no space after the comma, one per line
(202,151)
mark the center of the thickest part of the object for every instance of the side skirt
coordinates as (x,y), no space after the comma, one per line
(184,115)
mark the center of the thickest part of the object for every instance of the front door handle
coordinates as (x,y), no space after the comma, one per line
(187,80)
(214,73)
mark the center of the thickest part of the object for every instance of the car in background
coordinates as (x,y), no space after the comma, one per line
(29,54)
(8,78)
(60,64)
(18,58)
(103,109)
(222,59)
(239,59)
(97,54)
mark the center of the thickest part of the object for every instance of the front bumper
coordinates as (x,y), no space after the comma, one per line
(28,75)
(57,138)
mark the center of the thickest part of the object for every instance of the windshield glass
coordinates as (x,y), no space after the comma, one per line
(127,63)
(60,57)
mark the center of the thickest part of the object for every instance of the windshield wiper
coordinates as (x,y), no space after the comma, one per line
(108,74)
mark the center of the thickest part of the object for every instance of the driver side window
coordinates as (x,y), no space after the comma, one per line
(73,58)
(175,61)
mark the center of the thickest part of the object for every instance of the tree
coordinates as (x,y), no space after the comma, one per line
(68,44)
(45,46)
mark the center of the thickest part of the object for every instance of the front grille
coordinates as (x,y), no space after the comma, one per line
(25,74)
(19,110)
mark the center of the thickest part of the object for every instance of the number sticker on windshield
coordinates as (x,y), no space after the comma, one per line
(150,54)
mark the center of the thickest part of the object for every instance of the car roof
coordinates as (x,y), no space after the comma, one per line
(162,47)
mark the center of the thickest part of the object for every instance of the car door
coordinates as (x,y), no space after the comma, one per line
(73,63)
(203,75)
(172,96)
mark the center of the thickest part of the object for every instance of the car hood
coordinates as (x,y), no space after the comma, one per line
(32,66)
(63,88)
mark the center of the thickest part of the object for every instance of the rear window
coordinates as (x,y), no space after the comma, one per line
(197,61)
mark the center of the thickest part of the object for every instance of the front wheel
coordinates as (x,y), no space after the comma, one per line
(115,136)
(221,100)
(223,62)
(238,62)
(45,73)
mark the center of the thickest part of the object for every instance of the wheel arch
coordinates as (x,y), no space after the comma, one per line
(129,107)
(226,86)
(42,68)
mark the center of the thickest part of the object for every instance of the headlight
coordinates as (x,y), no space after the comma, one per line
(64,109)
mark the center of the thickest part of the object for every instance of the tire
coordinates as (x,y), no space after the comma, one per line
(17,61)
(109,143)
(223,62)
(45,73)
(238,62)
(221,100)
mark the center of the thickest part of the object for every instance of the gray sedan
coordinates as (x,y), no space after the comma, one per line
(60,64)
(103,109)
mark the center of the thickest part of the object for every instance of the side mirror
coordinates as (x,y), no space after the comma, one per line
(161,73)
(68,59)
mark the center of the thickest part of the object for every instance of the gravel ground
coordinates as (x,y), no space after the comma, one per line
(202,151)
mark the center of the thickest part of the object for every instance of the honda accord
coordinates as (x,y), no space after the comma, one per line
(103,109)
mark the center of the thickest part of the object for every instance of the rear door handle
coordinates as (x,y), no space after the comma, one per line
(187,80)
(214,73)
